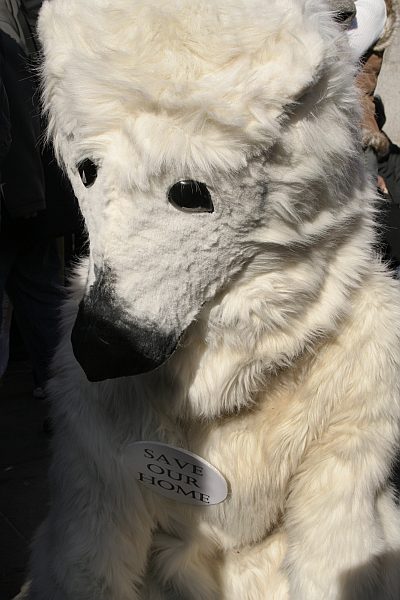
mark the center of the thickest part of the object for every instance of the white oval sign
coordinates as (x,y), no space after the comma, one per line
(178,474)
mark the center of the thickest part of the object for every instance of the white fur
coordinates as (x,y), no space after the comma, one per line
(287,378)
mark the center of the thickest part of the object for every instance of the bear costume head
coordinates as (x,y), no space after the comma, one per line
(205,146)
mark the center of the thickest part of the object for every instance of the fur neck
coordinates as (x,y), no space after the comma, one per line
(278,311)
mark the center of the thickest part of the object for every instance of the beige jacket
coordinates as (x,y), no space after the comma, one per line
(367,80)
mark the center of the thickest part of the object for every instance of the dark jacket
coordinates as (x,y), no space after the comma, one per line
(32,181)
(23,175)
(5,124)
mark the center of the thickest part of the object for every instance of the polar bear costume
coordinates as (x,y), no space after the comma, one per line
(232,306)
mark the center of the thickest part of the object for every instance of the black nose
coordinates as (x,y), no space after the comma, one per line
(107,344)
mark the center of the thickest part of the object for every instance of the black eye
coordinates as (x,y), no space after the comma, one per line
(344,16)
(190,196)
(88,172)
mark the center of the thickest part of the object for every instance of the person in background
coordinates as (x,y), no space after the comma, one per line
(5,143)
(5,125)
(370,26)
(36,203)
(388,164)
(370,34)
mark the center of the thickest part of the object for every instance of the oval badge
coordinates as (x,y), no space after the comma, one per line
(178,474)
